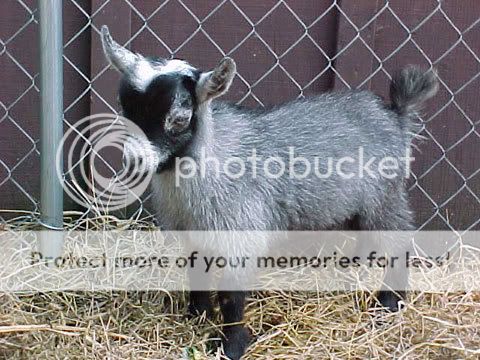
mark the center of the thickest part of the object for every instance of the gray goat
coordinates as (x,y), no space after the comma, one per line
(173,103)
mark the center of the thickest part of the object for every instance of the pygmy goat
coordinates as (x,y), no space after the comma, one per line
(173,103)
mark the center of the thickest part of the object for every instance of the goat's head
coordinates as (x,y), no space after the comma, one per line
(163,96)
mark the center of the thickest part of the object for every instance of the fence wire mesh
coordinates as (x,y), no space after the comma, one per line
(284,49)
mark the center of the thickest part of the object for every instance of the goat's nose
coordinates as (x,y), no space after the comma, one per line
(178,120)
(181,118)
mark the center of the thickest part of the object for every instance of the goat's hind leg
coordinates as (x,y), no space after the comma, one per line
(398,219)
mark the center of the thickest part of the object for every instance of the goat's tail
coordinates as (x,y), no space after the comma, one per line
(411,87)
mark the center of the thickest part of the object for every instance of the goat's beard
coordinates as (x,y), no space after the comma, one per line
(146,156)
(142,155)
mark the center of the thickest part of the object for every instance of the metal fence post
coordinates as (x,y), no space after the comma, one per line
(51,116)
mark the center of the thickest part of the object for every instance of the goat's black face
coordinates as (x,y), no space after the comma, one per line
(162,96)
(165,110)
(165,107)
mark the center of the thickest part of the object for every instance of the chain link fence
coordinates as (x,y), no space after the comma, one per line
(12,126)
(284,49)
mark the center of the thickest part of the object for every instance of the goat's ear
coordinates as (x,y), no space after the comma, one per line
(216,82)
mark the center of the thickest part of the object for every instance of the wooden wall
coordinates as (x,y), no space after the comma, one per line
(316,49)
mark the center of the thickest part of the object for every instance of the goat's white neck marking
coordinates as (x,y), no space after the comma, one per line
(145,72)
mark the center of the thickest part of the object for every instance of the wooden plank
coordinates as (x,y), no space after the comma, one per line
(14,144)
(435,37)
(117,16)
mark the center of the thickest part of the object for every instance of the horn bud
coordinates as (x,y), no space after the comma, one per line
(120,58)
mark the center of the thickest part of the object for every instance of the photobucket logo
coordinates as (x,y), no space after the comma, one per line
(289,164)
(94,176)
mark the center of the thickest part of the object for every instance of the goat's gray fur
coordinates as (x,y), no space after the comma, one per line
(330,125)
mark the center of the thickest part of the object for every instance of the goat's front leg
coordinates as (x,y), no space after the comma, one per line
(235,336)
(199,304)
(200,300)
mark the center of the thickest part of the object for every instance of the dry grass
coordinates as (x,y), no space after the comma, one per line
(152,325)
(124,325)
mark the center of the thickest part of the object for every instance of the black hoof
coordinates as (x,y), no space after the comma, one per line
(390,299)
(235,342)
